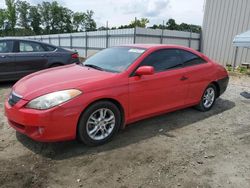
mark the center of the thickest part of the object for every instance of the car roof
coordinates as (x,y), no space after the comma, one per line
(162,46)
(152,46)
(25,39)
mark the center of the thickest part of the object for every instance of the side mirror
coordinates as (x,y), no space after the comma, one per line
(145,70)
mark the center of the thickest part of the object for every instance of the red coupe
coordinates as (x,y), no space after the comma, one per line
(91,101)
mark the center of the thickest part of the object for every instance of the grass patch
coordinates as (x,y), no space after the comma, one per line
(240,69)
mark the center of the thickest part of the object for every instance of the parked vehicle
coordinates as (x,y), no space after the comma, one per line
(19,57)
(113,88)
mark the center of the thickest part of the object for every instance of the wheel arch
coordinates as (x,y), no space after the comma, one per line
(215,83)
(112,100)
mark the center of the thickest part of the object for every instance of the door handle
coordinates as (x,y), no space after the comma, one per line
(3,56)
(183,78)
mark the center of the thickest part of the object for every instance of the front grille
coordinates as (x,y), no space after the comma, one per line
(14,98)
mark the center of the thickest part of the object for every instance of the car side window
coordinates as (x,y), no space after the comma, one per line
(50,48)
(6,46)
(30,47)
(163,60)
(190,59)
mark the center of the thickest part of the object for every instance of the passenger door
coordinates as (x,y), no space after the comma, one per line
(7,60)
(31,57)
(198,74)
(164,90)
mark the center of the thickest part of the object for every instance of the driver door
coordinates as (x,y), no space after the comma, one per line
(166,89)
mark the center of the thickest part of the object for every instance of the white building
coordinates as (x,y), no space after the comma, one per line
(223,20)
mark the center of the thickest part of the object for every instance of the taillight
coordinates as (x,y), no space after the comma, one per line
(75,56)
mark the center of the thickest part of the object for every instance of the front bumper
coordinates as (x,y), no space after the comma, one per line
(56,124)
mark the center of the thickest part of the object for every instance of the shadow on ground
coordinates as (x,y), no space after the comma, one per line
(134,133)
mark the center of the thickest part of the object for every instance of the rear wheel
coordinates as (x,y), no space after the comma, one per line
(208,98)
(99,123)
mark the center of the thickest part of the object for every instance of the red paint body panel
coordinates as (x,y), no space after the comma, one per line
(139,96)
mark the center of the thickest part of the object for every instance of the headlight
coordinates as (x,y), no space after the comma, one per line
(53,99)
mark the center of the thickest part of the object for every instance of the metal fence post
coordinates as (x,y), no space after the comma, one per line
(59,40)
(107,35)
(200,42)
(107,39)
(162,32)
(86,44)
(70,41)
(135,35)
(235,58)
(189,39)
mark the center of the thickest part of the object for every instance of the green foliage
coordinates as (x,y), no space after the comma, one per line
(11,14)
(45,18)
(79,21)
(2,17)
(229,68)
(23,14)
(172,25)
(90,24)
(35,20)
(51,18)
(136,23)
(240,69)
(139,23)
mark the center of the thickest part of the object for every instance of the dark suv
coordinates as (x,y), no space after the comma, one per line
(19,57)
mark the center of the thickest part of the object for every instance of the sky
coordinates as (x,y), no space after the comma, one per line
(121,12)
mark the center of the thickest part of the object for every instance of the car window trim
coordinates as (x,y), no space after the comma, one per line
(181,65)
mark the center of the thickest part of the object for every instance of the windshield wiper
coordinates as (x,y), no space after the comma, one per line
(94,67)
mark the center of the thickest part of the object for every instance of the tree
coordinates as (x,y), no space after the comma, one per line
(139,23)
(171,25)
(45,12)
(79,21)
(2,18)
(35,19)
(195,28)
(90,24)
(11,14)
(65,25)
(23,14)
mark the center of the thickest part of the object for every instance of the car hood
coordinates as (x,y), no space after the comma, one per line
(59,78)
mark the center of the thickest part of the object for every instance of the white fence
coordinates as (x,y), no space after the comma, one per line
(88,43)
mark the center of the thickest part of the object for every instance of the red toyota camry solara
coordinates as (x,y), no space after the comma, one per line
(91,101)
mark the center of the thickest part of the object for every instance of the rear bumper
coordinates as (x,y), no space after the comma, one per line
(223,83)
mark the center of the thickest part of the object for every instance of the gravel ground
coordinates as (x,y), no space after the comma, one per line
(186,148)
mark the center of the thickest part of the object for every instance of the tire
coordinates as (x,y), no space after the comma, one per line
(207,100)
(96,125)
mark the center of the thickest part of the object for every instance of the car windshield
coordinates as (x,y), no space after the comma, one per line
(116,59)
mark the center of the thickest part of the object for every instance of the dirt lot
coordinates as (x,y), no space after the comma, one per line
(186,148)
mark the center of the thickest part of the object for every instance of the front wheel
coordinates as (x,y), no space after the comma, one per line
(208,98)
(99,123)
